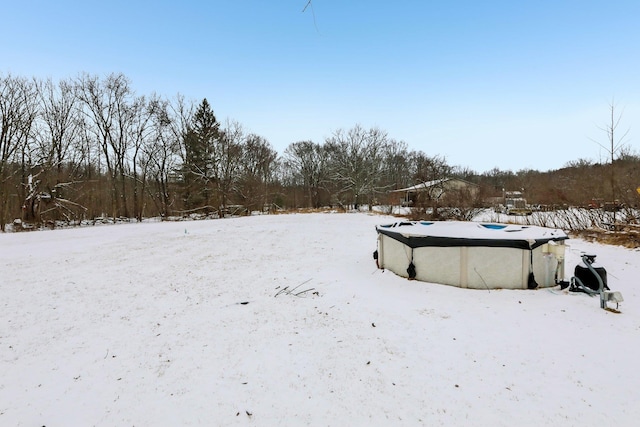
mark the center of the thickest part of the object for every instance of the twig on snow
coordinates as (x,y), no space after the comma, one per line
(294,291)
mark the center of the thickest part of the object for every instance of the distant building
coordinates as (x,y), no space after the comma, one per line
(512,203)
(438,190)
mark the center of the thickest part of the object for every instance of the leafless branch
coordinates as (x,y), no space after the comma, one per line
(286,290)
(312,13)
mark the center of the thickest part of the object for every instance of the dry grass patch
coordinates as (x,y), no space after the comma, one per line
(629,237)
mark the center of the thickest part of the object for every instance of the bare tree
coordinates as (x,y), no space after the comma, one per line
(615,143)
(61,124)
(257,169)
(428,168)
(57,152)
(229,153)
(307,161)
(397,163)
(108,107)
(160,154)
(141,131)
(357,163)
(17,115)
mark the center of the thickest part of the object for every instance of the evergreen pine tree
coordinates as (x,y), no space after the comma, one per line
(200,161)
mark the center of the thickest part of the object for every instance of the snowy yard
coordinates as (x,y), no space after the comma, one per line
(189,323)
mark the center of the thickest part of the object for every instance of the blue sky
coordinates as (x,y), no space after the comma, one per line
(507,84)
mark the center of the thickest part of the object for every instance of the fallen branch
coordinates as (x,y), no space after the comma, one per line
(294,291)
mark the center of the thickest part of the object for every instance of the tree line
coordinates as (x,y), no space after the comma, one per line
(89,147)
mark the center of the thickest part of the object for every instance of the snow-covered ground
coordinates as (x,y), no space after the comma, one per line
(196,323)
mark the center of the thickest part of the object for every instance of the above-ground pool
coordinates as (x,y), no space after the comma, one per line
(473,255)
